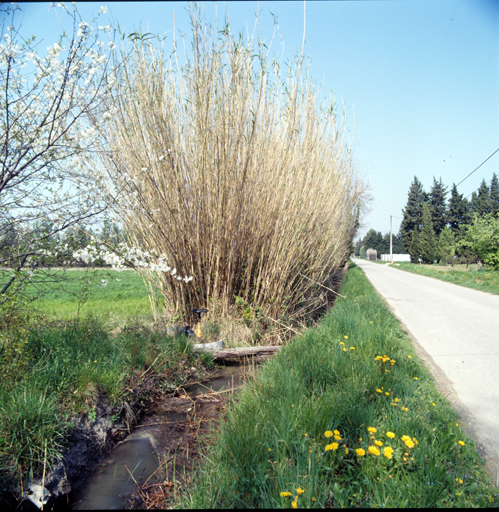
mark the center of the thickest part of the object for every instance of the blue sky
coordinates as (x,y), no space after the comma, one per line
(421,76)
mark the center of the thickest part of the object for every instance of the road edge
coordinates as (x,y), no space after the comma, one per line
(445,387)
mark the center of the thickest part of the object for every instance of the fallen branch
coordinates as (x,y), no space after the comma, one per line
(319,284)
(244,352)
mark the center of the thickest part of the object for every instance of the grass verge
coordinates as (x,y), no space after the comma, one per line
(346,415)
(478,278)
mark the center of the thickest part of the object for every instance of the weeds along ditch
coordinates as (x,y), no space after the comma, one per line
(483,279)
(345,415)
(73,382)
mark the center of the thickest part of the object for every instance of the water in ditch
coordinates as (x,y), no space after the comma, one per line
(134,462)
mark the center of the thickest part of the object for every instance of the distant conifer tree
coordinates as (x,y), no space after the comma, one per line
(459,210)
(437,202)
(446,246)
(414,248)
(427,241)
(481,201)
(494,195)
(413,212)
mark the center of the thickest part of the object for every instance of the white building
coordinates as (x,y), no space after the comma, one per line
(396,257)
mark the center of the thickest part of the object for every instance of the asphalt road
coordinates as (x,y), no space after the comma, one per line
(459,329)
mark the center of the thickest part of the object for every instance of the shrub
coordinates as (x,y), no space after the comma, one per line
(233,170)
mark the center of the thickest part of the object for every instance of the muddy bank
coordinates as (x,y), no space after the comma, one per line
(149,441)
(153,463)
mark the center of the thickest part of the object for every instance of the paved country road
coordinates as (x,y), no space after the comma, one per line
(458,328)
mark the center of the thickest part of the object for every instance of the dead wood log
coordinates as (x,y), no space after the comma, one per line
(238,352)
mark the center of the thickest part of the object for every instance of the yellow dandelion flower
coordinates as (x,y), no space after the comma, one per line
(313,499)
(346,450)
(391,435)
(386,393)
(396,399)
(300,491)
(345,349)
(285,494)
(371,429)
(461,443)
(405,438)
(405,409)
(415,378)
(415,440)
(374,450)
(388,452)
(332,446)
(336,432)
(393,403)
(338,438)
(352,348)
(360,452)
(379,391)
(346,337)
(294,504)
(409,443)
(370,322)
(341,343)
(328,433)
(379,443)
(410,357)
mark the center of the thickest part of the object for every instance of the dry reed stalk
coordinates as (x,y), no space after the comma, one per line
(233,171)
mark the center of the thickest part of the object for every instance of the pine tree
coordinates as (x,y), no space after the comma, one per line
(437,202)
(371,239)
(458,213)
(481,202)
(414,248)
(386,243)
(427,241)
(413,212)
(494,195)
(446,246)
(398,244)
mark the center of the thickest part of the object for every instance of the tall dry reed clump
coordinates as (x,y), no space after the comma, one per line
(233,171)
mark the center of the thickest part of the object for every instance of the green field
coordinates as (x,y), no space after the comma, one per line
(473,277)
(65,294)
(346,415)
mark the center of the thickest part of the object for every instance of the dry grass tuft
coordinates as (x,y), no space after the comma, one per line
(236,171)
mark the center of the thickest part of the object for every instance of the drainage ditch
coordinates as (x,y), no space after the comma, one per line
(156,457)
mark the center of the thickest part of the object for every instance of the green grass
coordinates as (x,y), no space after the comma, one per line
(479,279)
(272,440)
(63,365)
(125,296)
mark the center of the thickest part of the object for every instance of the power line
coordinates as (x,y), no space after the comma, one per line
(477,189)
(478,167)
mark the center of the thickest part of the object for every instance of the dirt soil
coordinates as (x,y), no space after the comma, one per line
(177,444)
(176,441)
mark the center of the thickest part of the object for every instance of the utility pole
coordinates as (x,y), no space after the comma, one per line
(391,243)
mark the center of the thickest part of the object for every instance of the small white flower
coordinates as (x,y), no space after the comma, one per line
(111,45)
(103,10)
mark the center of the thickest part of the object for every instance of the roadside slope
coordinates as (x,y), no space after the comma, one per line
(459,329)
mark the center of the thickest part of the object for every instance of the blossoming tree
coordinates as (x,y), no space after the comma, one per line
(45,140)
